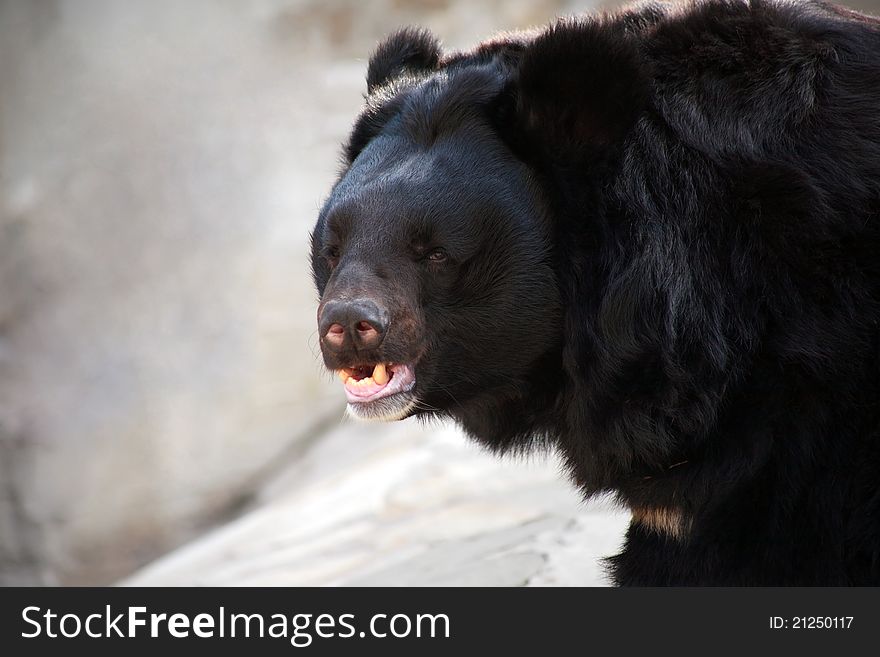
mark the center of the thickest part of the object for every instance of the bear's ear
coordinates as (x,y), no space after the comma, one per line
(580,85)
(408,50)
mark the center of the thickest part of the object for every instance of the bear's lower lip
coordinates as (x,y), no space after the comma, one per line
(399,379)
(389,408)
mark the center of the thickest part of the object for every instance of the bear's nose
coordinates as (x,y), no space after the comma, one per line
(359,323)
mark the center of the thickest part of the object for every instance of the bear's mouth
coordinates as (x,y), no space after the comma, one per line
(379,391)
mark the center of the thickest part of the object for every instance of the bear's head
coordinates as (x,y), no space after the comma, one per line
(435,255)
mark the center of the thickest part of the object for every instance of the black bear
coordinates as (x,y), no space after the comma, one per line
(649,240)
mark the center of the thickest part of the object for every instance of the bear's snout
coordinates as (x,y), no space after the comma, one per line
(352,324)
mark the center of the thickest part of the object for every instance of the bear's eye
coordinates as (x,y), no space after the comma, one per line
(436,255)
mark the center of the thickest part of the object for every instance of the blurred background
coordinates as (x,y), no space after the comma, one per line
(164,418)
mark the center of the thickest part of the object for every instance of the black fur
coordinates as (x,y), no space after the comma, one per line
(663,261)
(409,50)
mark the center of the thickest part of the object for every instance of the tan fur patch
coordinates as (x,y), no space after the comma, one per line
(669,522)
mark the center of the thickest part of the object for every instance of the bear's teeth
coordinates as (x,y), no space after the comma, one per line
(380,375)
